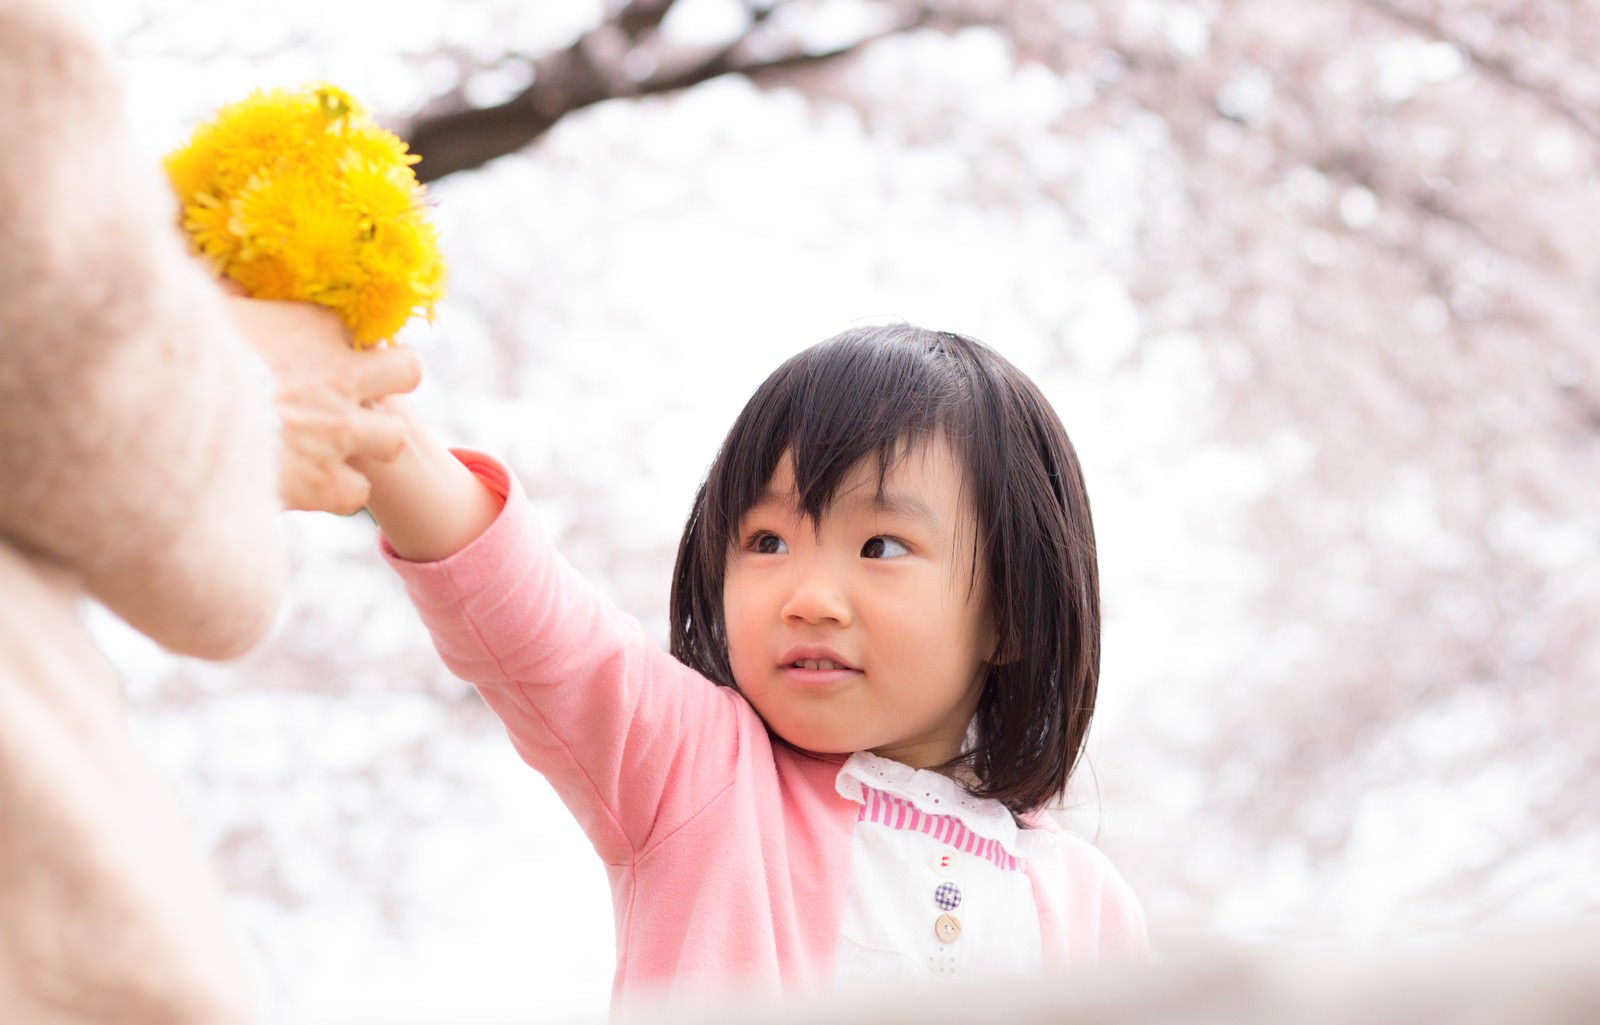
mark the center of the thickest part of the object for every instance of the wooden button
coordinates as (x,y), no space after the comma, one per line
(947,928)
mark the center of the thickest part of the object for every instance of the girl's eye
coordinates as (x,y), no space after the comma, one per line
(764,543)
(881,547)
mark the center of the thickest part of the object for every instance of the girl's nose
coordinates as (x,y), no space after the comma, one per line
(816,596)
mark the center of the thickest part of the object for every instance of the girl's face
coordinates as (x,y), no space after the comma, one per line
(865,632)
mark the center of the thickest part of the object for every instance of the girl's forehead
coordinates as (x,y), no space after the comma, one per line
(921,479)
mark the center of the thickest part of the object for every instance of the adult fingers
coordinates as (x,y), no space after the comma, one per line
(388,371)
(346,493)
(324,486)
(377,434)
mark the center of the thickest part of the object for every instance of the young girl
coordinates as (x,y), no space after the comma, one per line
(885,648)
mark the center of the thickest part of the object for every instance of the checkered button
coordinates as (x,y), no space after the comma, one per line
(947,896)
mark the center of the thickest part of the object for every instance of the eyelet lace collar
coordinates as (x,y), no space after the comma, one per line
(935,794)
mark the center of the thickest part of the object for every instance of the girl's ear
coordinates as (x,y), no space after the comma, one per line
(1006,654)
(1004,650)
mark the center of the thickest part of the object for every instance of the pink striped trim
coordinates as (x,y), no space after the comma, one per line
(897,813)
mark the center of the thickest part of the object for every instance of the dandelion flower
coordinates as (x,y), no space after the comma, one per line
(298,194)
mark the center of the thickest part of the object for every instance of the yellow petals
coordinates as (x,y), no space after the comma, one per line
(300,195)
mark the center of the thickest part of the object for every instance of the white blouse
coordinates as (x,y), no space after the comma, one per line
(937,889)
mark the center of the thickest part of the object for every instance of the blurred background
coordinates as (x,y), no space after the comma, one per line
(1312,286)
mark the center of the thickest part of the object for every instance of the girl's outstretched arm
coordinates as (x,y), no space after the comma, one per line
(428,505)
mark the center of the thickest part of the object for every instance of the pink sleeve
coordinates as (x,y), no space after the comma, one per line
(1087,911)
(635,742)
(1122,931)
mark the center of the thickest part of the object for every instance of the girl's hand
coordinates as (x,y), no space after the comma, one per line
(327,396)
(427,503)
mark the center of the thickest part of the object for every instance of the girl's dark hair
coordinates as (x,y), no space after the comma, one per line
(869,392)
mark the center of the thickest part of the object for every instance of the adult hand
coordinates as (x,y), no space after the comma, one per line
(328,397)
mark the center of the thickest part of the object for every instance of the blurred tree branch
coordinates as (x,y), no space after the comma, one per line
(625,56)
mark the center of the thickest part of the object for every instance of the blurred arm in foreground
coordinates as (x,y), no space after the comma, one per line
(139,466)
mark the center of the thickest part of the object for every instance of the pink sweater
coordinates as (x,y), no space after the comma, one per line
(728,853)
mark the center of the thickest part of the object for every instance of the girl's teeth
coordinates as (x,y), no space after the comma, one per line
(818,663)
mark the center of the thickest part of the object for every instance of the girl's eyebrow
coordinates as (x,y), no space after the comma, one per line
(773,497)
(906,505)
(902,504)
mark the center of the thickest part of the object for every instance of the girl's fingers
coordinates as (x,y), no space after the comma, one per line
(388,371)
(377,434)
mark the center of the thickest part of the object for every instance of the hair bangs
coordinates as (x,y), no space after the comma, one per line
(862,394)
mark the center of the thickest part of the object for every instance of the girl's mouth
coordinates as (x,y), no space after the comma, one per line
(817,663)
(812,665)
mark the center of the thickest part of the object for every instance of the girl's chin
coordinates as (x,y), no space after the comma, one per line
(813,742)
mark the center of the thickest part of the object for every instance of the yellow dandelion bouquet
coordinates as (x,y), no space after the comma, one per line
(298,194)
